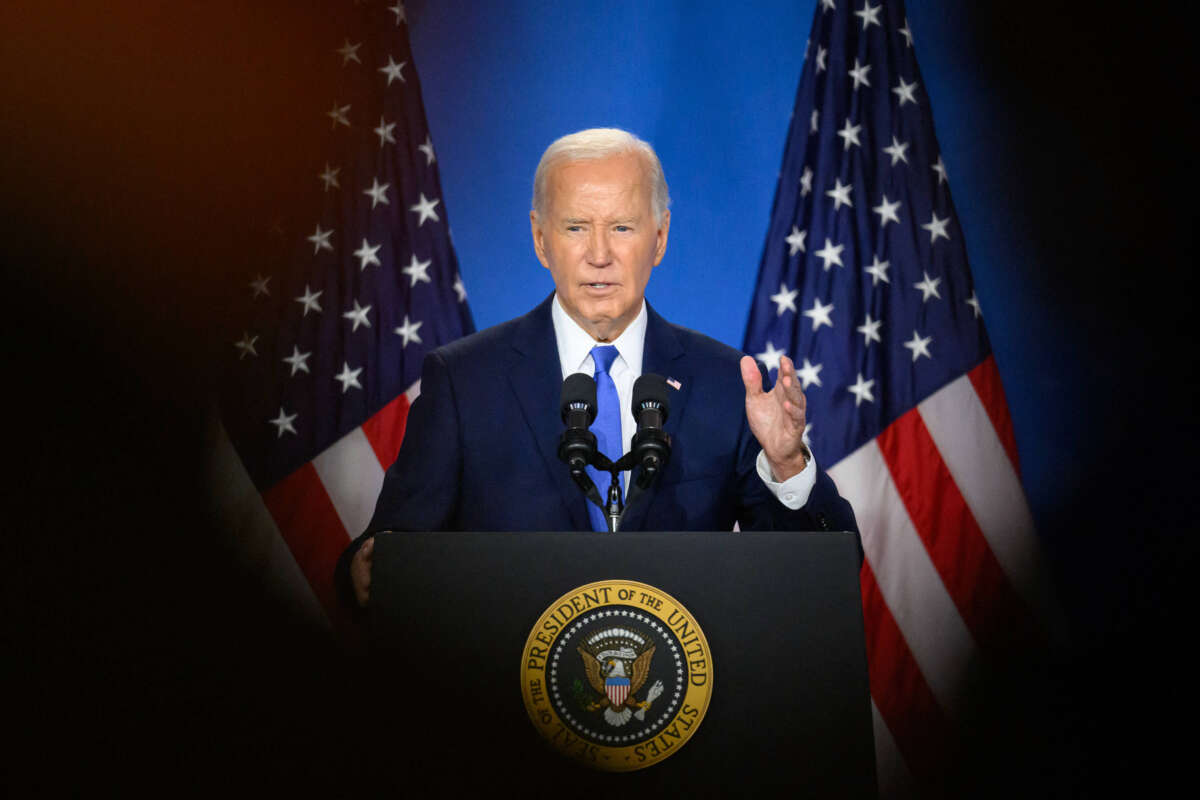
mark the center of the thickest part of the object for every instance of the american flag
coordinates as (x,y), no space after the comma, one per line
(326,360)
(864,283)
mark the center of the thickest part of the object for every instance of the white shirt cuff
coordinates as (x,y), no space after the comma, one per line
(793,492)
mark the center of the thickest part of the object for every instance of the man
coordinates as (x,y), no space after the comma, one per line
(480,451)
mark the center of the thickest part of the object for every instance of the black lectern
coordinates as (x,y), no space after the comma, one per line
(451,619)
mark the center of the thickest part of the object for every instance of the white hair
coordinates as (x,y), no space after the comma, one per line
(597,143)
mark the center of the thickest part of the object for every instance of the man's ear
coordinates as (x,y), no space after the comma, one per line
(539,240)
(660,247)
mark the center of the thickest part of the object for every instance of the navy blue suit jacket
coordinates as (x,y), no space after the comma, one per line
(480,446)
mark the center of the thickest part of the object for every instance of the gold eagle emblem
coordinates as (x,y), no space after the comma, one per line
(617,664)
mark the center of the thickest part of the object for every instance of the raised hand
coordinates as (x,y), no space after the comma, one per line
(777,417)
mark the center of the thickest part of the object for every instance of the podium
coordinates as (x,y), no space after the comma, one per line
(450,625)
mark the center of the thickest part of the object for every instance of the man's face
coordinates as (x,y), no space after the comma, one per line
(600,239)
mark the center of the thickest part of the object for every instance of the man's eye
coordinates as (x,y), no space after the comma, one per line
(623,228)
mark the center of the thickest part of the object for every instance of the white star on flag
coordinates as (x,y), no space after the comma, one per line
(862,390)
(819,314)
(283,423)
(849,134)
(906,33)
(806,182)
(870,331)
(320,240)
(297,360)
(940,169)
(936,228)
(358,315)
(831,254)
(427,149)
(919,346)
(887,212)
(928,287)
(878,271)
(770,357)
(814,120)
(821,53)
(349,52)
(905,92)
(417,271)
(398,10)
(460,289)
(859,74)
(348,377)
(246,346)
(309,300)
(259,285)
(329,177)
(367,255)
(785,299)
(973,302)
(424,207)
(840,194)
(408,330)
(808,374)
(795,241)
(870,16)
(897,150)
(338,115)
(392,70)
(384,132)
(378,193)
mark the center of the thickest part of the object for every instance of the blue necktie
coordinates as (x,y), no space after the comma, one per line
(607,428)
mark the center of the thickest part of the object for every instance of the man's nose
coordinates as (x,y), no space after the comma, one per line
(599,250)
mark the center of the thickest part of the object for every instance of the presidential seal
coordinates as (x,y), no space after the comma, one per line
(616,675)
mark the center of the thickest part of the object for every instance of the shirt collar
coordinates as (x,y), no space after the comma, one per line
(575,344)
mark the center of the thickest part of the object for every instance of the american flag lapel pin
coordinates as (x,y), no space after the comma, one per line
(674,384)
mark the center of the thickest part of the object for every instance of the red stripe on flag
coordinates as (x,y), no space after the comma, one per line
(903,698)
(986,380)
(990,606)
(311,527)
(385,430)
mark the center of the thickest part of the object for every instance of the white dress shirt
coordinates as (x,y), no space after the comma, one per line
(575,355)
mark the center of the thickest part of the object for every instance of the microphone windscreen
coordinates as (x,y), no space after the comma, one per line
(579,388)
(651,388)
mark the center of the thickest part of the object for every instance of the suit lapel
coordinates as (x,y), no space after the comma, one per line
(663,354)
(536,381)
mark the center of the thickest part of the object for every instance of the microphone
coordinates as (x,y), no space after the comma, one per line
(578,409)
(577,447)
(651,446)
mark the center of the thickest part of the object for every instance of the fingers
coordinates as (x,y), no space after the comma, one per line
(788,377)
(791,395)
(360,572)
(751,377)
